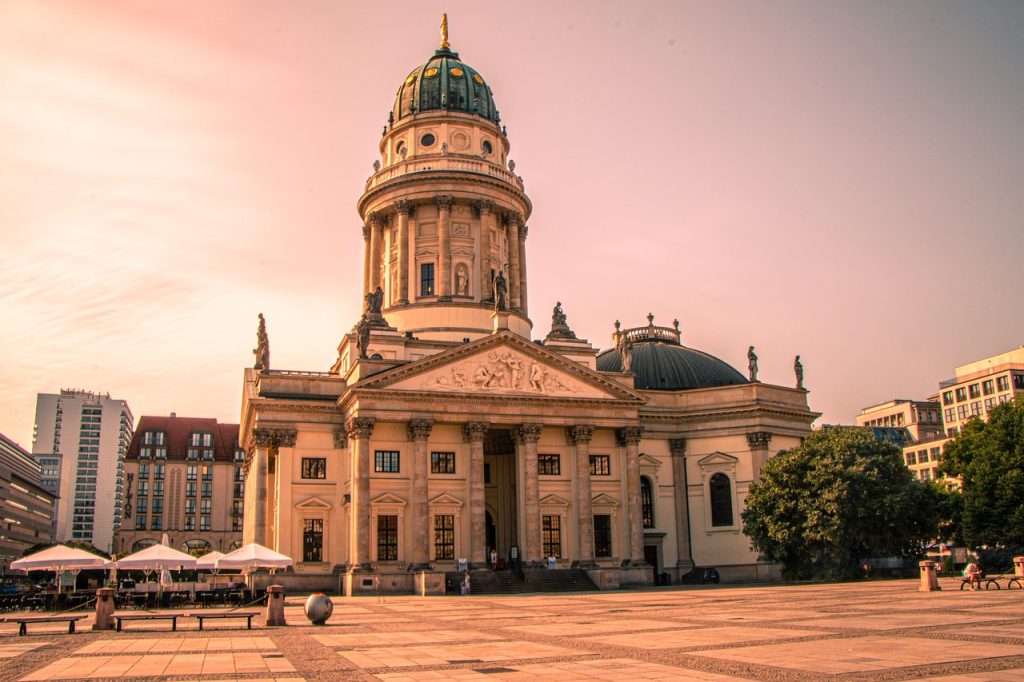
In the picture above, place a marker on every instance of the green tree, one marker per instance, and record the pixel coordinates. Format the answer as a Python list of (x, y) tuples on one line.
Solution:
[(75, 544), (989, 459), (841, 496)]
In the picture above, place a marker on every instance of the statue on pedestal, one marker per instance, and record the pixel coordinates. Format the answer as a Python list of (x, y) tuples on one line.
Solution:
[(752, 363), (624, 347), (500, 291), (262, 349), (798, 369), (559, 325)]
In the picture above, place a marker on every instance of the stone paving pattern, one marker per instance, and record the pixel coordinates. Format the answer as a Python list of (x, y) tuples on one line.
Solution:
[(878, 630)]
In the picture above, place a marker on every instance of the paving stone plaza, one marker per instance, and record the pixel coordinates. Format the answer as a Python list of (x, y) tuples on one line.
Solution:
[(875, 630)]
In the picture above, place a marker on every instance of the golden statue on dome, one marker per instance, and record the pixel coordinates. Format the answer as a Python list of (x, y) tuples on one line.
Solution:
[(444, 32)]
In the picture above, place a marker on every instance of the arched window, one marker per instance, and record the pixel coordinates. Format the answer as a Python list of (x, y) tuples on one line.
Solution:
[(237, 544), (142, 544), (721, 500), (196, 547), (647, 502)]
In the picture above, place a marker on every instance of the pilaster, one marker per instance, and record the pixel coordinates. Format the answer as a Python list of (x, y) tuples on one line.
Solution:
[(403, 208), (528, 435), (475, 433), (684, 560), (444, 249), (580, 436), (418, 431), (630, 437), (359, 431)]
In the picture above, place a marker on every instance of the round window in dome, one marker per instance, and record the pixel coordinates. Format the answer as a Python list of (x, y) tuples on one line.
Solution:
[(430, 73), (457, 72), (428, 140), (477, 79), (486, 146)]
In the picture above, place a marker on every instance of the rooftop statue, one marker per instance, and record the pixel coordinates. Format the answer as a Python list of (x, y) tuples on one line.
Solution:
[(262, 349), (752, 363), (374, 301), (624, 347), (798, 369), (559, 325), (500, 291)]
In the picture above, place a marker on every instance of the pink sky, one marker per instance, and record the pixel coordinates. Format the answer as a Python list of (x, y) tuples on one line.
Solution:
[(841, 181)]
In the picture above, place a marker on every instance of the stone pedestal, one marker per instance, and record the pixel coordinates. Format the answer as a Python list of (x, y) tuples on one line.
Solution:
[(929, 578), (500, 318), (275, 605), (1018, 566), (429, 583), (359, 582), (104, 609), (604, 578)]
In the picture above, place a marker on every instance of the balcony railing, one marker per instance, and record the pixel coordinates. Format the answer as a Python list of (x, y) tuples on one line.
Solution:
[(463, 163)]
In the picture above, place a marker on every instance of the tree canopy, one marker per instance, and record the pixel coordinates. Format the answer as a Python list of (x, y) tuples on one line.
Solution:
[(840, 497), (989, 459)]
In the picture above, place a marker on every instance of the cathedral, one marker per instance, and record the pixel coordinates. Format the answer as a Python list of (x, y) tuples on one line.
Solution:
[(446, 438)]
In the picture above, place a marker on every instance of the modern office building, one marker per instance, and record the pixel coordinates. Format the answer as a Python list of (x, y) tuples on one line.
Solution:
[(921, 418), (80, 440), (979, 386), (444, 432), (26, 509), (183, 478)]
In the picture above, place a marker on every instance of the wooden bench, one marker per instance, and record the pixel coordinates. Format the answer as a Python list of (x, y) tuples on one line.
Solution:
[(988, 582), (23, 621), (173, 617), (248, 615)]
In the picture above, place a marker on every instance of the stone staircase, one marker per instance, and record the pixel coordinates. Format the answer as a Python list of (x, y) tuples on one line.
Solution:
[(532, 580)]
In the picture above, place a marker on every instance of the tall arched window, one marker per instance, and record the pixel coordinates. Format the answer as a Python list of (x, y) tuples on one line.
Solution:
[(647, 502), (721, 500)]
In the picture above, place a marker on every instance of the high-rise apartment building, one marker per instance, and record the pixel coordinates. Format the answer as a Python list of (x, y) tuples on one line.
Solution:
[(26, 509), (80, 441), (183, 478)]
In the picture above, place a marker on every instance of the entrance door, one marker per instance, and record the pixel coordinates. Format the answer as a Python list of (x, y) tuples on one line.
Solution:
[(651, 557), (500, 491), (492, 534)]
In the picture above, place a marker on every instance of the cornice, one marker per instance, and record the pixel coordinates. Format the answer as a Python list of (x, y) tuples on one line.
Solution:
[(418, 178)]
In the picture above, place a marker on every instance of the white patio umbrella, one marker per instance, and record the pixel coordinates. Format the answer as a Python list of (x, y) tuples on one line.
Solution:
[(60, 558), (251, 557), (157, 558), (208, 562)]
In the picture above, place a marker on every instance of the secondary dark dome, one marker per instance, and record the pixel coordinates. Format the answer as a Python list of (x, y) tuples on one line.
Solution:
[(445, 84), (663, 364)]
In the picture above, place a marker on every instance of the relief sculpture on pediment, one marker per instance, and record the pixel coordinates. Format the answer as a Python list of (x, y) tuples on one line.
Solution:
[(501, 371)]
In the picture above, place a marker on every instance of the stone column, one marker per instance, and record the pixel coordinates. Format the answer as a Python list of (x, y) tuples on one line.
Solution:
[(367, 259), (759, 442), (483, 211), (444, 248), (528, 435), (475, 432), (514, 294), (580, 435), (255, 500), (522, 271), (418, 431), (684, 560), (359, 431), (403, 208), (630, 437), (376, 246)]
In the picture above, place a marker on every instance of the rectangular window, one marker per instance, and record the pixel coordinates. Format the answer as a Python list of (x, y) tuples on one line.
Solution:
[(191, 472), (313, 540), (158, 489), (961, 411), (551, 536), (207, 473), (950, 414), (1018, 381), (158, 472), (988, 387), (442, 462), (192, 454), (990, 403), (190, 523), (444, 536), (141, 505), (426, 279), (974, 390), (204, 523), (144, 471), (386, 462), (207, 490), (236, 523), (600, 465), (549, 465), (387, 538), (602, 535), (190, 489), (236, 507), (976, 408), (936, 453), (1003, 383), (143, 488), (160, 453), (190, 506), (156, 523), (239, 491), (312, 467), (205, 506), (158, 506), (922, 457), (239, 474), (911, 458), (961, 394), (208, 455)]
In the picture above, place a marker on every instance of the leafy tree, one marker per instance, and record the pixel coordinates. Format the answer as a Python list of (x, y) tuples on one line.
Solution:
[(841, 496), (989, 459), (76, 544)]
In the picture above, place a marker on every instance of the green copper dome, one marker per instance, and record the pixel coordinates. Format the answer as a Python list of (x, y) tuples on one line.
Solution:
[(444, 84)]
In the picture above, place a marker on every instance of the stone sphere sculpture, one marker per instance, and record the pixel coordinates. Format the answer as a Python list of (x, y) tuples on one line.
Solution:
[(319, 608)]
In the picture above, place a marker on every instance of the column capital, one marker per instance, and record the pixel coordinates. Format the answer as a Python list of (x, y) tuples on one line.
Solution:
[(360, 427), (265, 438), (482, 207), (523, 229), (512, 218), (475, 432), (374, 218), (580, 433), (629, 435), (444, 203), (677, 446), (529, 433), (403, 207), (366, 231), (759, 440), (419, 429)]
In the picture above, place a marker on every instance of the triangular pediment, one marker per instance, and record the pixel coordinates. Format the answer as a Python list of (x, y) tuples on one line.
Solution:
[(446, 500), (553, 500), (313, 503), (648, 461), (603, 500), (717, 458), (502, 364), (388, 498)]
